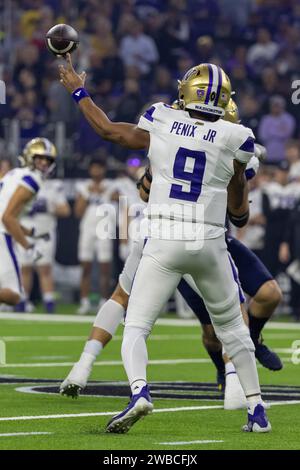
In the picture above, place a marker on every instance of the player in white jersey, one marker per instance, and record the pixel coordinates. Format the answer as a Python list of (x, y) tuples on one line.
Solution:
[(91, 195), (194, 157), (113, 311), (17, 189), (50, 204)]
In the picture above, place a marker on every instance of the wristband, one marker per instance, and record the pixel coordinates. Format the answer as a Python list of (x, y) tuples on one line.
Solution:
[(79, 93), (239, 220)]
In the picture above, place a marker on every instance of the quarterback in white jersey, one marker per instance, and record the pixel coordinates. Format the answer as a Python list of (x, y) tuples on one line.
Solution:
[(17, 189), (50, 204), (189, 142)]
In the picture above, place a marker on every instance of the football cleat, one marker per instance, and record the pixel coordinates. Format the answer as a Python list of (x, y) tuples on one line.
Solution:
[(76, 381), (267, 358), (257, 421), (85, 308), (140, 405), (234, 398)]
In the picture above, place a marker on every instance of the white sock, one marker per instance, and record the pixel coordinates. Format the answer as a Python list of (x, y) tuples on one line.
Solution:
[(135, 356), (229, 368), (93, 346), (137, 386), (253, 401), (110, 316), (245, 366), (85, 301), (91, 351), (48, 297)]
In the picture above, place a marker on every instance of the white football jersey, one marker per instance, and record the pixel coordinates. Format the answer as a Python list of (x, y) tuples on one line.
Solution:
[(30, 179), (41, 215), (192, 165), (91, 215)]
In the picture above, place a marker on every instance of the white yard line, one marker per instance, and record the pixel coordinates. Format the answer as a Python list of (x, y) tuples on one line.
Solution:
[(112, 413), (11, 434), (109, 363), (187, 443), (154, 362), (83, 338), (90, 318)]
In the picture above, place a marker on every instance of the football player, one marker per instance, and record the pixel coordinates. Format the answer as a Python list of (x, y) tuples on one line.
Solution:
[(50, 204), (92, 193), (255, 279), (18, 188), (196, 160)]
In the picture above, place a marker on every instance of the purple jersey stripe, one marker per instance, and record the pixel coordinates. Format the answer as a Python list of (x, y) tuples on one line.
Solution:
[(210, 70), (236, 278), (30, 181), (10, 247), (248, 145), (148, 113), (219, 86)]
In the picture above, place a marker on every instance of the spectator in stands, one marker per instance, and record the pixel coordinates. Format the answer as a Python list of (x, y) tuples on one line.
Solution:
[(249, 108), (130, 103), (139, 50), (263, 52), (164, 88), (276, 128), (292, 153)]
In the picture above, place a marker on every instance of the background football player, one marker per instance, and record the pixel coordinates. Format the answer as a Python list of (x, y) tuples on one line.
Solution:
[(18, 188), (50, 204), (91, 194)]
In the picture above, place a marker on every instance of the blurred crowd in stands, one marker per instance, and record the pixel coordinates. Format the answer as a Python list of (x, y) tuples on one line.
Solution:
[(133, 52)]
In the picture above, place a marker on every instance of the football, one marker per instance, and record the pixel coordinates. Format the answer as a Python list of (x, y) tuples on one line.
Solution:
[(61, 39)]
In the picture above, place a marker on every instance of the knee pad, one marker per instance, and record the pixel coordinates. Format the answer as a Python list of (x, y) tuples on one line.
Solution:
[(235, 336)]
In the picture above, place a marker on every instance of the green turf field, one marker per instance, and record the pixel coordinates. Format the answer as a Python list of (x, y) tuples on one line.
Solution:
[(46, 349)]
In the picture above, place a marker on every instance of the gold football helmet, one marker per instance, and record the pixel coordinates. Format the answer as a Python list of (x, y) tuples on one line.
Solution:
[(205, 88), (175, 104), (232, 112), (38, 147)]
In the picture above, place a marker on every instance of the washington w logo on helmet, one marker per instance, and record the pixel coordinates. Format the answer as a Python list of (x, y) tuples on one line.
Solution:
[(205, 88), (2, 92)]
